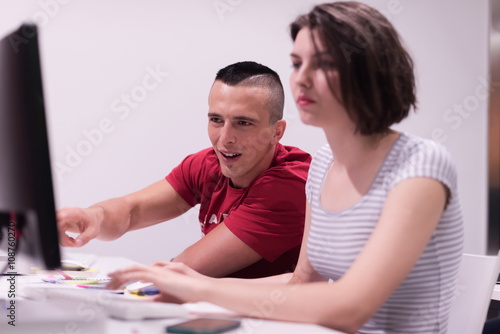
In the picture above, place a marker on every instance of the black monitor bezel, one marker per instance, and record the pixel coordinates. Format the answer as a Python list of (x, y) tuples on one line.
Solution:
[(37, 203)]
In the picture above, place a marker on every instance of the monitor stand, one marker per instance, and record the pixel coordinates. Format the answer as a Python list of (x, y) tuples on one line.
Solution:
[(18, 256), (17, 265)]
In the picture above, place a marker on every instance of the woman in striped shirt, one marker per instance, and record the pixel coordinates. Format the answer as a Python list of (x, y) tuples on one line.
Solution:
[(384, 234)]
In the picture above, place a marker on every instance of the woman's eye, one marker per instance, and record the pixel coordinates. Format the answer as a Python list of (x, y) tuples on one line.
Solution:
[(296, 65), (327, 64)]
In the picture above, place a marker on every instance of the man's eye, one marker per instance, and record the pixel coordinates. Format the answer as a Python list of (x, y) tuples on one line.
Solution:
[(244, 123), (215, 120)]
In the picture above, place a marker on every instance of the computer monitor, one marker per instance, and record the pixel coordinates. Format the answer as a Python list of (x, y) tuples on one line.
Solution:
[(493, 233), (26, 190)]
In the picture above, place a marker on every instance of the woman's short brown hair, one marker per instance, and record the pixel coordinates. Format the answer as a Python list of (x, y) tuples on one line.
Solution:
[(376, 72)]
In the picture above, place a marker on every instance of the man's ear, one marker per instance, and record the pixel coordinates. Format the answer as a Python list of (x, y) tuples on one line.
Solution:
[(279, 130)]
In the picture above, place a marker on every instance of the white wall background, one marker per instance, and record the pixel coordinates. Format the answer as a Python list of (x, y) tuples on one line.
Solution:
[(96, 53)]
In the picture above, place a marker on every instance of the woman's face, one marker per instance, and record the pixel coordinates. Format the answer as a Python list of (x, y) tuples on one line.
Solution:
[(312, 69)]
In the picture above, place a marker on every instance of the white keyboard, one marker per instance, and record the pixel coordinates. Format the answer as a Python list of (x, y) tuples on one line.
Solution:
[(115, 305)]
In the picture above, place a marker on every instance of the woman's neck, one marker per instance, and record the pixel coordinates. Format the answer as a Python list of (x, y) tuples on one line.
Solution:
[(352, 150)]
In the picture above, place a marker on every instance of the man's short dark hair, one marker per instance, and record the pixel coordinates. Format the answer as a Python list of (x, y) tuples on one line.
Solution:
[(249, 73)]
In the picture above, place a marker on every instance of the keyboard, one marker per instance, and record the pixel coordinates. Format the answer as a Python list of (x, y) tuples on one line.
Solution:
[(114, 305)]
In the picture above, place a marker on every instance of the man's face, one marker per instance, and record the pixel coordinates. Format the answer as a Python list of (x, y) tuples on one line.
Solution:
[(239, 129)]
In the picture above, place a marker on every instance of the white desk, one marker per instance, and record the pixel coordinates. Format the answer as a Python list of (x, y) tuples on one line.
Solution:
[(41, 317)]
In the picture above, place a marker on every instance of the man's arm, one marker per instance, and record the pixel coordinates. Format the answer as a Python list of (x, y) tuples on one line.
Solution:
[(221, 253), (218, 254), (110, 219), (263, 225)]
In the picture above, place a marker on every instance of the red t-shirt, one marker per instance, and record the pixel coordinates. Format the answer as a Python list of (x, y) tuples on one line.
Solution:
[(268, 215)]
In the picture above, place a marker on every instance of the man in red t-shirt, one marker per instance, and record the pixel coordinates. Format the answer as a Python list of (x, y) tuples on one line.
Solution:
[(250, 188)]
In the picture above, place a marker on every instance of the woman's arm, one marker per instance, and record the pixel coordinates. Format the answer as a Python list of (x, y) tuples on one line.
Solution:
[(408, 220)]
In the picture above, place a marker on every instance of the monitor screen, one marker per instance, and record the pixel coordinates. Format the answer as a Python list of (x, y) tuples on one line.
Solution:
[(27, 208)]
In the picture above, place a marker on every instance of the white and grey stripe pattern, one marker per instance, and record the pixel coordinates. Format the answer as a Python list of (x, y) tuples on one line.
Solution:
[(421, 303)]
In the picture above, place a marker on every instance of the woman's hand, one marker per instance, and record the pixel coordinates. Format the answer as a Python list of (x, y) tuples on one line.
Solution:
[(176, 282), (179, 268)]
